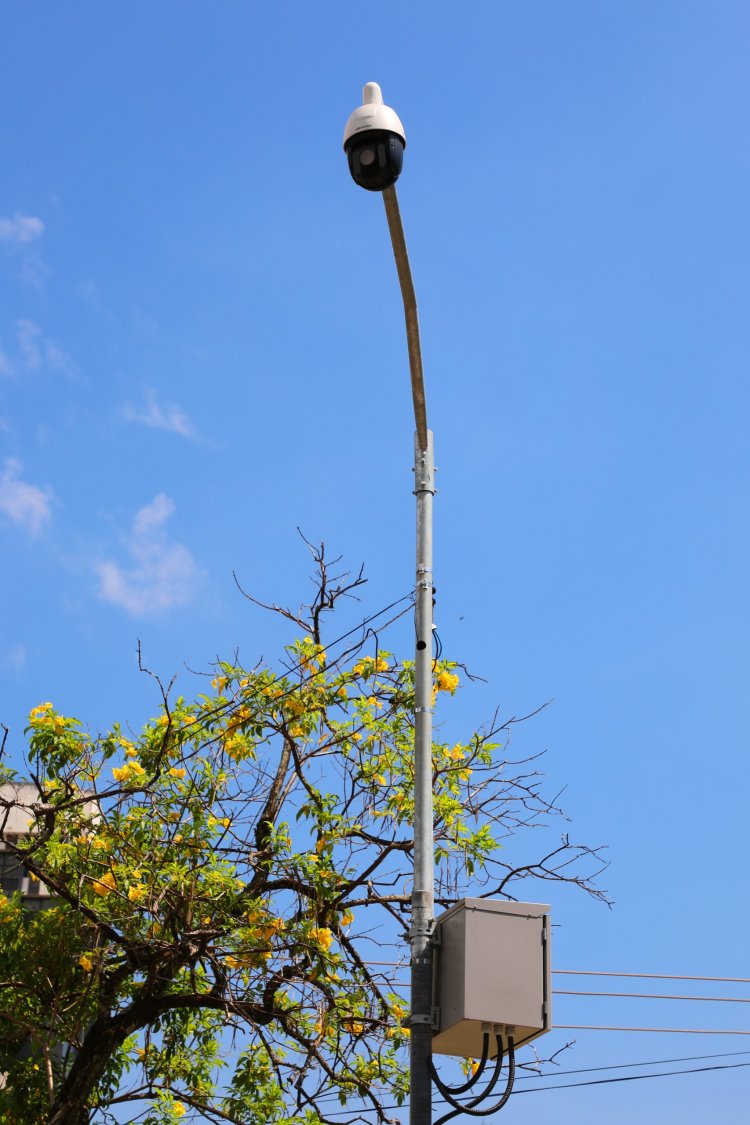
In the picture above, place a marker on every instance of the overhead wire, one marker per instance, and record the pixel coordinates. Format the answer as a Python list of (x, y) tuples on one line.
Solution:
[(601, 973), (630, 1066), (653, 996), (646, 976), (662, 1030), (577, 1085), (635, 1077), (614, 995), (538, 1076)]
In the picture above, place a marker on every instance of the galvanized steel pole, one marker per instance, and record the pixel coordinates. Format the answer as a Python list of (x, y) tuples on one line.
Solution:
[(423, 892)]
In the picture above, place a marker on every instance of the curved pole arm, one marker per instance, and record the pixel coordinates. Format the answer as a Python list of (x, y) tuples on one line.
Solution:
[(398, 242)]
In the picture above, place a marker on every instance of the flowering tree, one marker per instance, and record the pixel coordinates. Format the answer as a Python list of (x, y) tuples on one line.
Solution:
[(222, 881)]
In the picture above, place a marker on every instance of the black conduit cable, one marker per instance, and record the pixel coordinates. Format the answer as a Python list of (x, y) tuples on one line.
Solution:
[(468, 1106), (462, 1107), (471, 1107), (445, 1089)]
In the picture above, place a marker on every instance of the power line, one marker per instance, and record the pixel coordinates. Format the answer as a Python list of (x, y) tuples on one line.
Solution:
[(646, 976), (630, 1066), (634, 1077), (526, 1077), (598, 973), (665, 1030), (654, 996), (576, 1085), (619, 995)]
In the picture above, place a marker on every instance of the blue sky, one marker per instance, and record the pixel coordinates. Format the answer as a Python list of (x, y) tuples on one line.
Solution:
[(201, 348)]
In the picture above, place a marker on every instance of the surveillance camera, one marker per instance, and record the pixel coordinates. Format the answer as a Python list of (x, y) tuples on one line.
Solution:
[(374, 142)]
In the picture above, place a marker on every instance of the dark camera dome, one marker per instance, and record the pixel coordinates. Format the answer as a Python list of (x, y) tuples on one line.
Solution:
[(376, 158)]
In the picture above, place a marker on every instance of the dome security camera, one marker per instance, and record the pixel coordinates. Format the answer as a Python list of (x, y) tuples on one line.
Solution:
[(374, 142)]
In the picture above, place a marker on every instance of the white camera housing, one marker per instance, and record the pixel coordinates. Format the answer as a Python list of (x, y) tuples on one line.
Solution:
[(374, 142)]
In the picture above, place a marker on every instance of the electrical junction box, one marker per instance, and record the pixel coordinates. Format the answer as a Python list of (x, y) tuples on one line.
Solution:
[(492, 967)]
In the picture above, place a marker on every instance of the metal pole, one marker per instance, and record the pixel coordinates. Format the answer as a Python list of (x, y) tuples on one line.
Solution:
[(423, 892)]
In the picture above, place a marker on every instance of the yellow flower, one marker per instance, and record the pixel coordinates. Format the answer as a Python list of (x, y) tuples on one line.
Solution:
[(347, 918), (225, 821), (219, 683), (323, 936), (373, 702), (105, 885), (179, 1109), (136, 769), (380, 779), (40, 711), (446, 681), (457, 754), (86, 963), (131, 751), (176, 772), (121, 773)]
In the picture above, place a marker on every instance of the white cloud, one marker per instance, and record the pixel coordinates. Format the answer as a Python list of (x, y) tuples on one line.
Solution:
[(28, 336), (36, 352), (168, 417), (88, 291), (23, 503), (20, 237), (20, 229), (163, 574), (14, 659)]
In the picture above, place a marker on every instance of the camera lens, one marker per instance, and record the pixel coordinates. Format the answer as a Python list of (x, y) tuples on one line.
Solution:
[(375, 162)]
